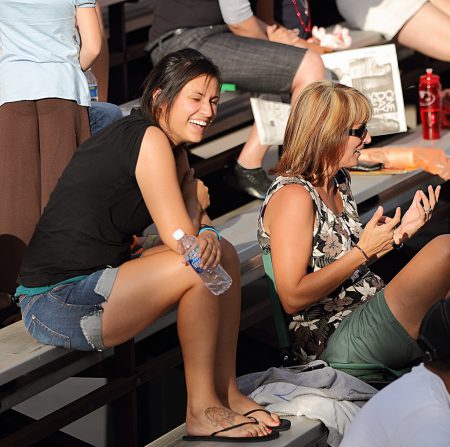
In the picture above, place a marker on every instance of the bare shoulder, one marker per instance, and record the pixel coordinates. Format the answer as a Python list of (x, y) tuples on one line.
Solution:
[(291, 196), (155, 153), (155, 142), (154, 135), (290, 205)]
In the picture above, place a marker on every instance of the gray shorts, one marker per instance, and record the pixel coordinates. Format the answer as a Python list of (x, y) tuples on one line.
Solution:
[(254, 65), (70, 315)]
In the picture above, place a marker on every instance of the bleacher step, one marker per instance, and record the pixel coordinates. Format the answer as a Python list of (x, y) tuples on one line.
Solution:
[(304, 432)]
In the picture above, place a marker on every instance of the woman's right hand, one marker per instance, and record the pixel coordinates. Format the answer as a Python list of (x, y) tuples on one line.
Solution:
[(378, 235)]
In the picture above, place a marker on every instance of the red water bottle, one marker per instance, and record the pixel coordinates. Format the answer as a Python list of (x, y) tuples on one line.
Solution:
[(430, 105)]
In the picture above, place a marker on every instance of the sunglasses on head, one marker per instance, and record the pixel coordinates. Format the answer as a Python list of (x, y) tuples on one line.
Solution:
[(360, 132)]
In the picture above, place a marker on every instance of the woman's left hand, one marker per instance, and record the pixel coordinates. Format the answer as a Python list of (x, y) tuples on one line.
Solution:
[(418, 214), (210, 249)]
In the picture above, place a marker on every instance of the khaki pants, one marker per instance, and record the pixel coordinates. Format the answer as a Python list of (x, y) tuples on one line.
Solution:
[(37, 140)]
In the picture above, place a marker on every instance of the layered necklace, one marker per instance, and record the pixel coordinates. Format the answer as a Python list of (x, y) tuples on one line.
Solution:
[(305, 26)]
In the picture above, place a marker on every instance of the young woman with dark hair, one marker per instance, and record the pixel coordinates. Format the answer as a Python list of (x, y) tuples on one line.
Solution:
[(341, 311), (79, 286)]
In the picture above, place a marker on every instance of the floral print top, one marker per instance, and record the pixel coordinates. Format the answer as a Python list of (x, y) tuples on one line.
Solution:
[(333, 236)]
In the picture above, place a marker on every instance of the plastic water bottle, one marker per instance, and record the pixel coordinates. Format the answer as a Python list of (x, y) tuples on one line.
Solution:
[(430, 105), (216, 279), (93, 85)]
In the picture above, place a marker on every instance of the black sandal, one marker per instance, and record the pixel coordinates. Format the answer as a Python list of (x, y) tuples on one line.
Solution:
[(214, 438), (285, 424)]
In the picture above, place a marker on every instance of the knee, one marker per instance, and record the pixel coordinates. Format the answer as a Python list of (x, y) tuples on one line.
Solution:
[(230, 258), (311, 68), (441, 246)]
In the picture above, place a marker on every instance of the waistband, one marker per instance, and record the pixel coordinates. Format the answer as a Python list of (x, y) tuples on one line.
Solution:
[(161, 39)]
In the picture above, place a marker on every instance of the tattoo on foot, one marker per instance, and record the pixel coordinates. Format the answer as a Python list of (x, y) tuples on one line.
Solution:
[(220, 417)]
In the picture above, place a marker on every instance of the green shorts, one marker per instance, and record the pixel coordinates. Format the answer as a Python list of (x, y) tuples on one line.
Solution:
[(371, 338)]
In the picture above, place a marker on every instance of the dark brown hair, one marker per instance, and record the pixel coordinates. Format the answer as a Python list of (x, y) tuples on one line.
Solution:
[(169, 76)]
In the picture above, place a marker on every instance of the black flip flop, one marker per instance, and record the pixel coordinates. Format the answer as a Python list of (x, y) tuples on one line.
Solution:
[(213, 437), (285, 424)]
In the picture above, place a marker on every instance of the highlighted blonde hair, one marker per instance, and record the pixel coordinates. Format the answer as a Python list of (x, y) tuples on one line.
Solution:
[(317, 130)]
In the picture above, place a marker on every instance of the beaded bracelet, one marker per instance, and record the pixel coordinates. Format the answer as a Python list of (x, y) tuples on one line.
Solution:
[(363, 252), (209, 228)]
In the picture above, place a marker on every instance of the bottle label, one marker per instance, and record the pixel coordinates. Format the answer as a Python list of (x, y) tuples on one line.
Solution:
[(426, 98), (93, 91), (194, 260)]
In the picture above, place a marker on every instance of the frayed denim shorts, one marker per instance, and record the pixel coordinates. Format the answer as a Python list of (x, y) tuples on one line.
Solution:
[(70, 315)]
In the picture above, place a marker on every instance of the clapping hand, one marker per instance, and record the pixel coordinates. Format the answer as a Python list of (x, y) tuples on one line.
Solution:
[(417, 214), (377, 237)]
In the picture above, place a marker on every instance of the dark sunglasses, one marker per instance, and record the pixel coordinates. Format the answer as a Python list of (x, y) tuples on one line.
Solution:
[(361, 132)]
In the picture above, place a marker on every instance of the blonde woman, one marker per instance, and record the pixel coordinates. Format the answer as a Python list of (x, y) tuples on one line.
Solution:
[(341, 311)]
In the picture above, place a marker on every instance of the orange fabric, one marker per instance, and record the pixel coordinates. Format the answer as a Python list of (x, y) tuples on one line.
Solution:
[(432, 160)]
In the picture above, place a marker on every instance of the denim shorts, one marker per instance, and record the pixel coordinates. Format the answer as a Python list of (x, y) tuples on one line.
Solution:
[(255, 65), (70, 315)]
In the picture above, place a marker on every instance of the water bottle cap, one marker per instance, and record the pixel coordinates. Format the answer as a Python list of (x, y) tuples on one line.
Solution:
[(178, 234), (429, 71)]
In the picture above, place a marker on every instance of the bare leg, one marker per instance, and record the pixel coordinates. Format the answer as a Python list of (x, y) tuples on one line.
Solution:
[(443, 5), (422, 282), (144, 289), (225, 367), (429, 30), (310, 69)]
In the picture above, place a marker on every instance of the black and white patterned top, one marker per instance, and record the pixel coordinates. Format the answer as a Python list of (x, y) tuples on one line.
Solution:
[(333, 236)]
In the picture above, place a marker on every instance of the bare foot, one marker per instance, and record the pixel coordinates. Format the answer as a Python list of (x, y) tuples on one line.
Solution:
[(243, 404), (214, 419)]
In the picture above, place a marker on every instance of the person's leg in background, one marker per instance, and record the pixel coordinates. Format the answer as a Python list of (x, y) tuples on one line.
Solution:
[(428, 31), (254, 65), (63, 126), (19, 194), (309, 70), (102, 114), (260, 66)]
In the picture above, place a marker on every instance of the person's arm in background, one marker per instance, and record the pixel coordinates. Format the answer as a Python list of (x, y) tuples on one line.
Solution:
[(100, 67), (265, 11), (241, 21), (90, 36), (238, 15)]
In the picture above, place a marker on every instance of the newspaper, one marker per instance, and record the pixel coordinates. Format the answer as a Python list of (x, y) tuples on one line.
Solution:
[(271, 119), (372, 70)]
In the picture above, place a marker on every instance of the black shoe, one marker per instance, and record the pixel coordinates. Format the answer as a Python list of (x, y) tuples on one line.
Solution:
[(253, 181)]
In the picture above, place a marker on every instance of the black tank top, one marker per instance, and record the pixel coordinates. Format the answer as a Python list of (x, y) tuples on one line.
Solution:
[(94, 210), (173, 14)]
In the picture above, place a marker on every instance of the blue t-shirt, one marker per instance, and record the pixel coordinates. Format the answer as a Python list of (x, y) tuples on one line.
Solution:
[(39, 56)]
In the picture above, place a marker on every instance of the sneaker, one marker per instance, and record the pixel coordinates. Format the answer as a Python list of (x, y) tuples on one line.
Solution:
[(253, 181)]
